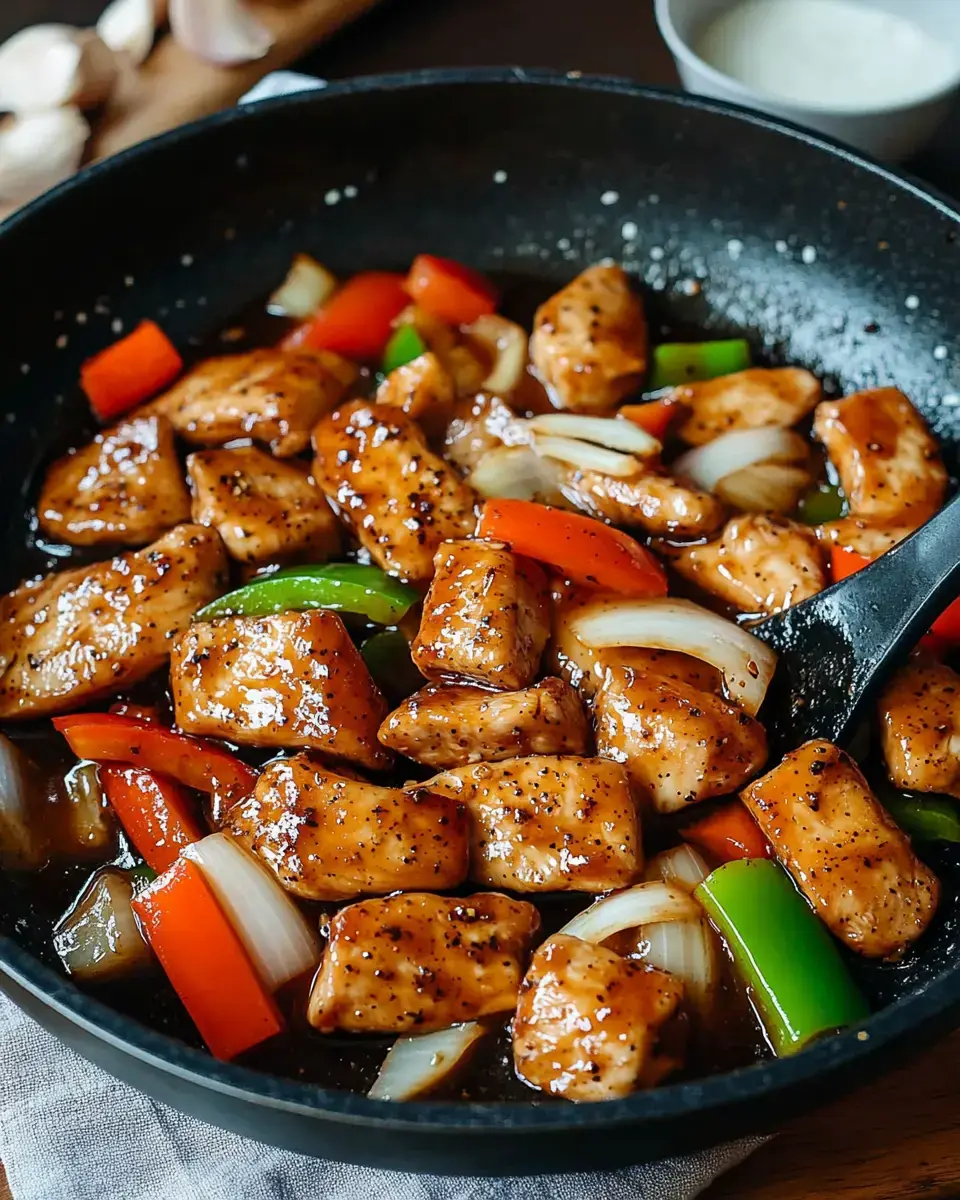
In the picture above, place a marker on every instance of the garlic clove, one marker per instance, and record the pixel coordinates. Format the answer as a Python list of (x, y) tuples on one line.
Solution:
[(220, 31), (47, 66), (128, 27), (38, 151)]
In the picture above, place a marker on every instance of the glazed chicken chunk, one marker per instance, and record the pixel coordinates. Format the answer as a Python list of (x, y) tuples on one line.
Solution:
[(542, 824), (920, 728), (678, 744), (485, 616), (273, 396), (759, 564), (124, 488), (287, 680), (867, 536), (450, 725), (589, 342), (888, 462), (72, 638), (587, 1023), (331, 837), (422, 389), (417, 962), (399, 499), (478, 424), (262, 507), (847, 856), (750, 399), (655, 503)]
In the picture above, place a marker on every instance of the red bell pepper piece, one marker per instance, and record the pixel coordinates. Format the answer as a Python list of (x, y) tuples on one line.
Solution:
[(580, 548), (130, 371), (656, 416), (108, 737), (157, 813), (727, 833), (357, 320), (206, 961), (448, 290), (945, 631)]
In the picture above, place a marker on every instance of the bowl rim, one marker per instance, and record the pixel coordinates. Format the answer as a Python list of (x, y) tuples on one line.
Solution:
[(913, 1020), (684, 53)]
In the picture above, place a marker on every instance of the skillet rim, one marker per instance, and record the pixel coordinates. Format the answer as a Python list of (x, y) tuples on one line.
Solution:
[(921, 1016)]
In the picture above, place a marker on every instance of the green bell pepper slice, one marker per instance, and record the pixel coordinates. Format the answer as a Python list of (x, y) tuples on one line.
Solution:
[(342, 587), (798, 980), (932, 820), (388, 659), (684, 362), (404, 346), (825, 502)]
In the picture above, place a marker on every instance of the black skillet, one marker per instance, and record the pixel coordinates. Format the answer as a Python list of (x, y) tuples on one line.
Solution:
[(733, 222)]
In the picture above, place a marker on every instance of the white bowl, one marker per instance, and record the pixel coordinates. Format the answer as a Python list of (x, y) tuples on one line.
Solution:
[(892, 132)]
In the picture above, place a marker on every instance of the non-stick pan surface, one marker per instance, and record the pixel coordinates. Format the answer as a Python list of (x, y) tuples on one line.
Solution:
[(732, 222)]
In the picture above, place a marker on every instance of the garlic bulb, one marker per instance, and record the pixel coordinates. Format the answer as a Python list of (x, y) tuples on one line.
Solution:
[(38, 151), (48, 66), (220, 31), (128, 27)]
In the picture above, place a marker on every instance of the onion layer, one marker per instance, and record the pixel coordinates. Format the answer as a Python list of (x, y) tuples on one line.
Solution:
[(688, 950), (275, 933), (90, 819), (588, 457), (746, 663), (612, 432), (642, 904), (514, 473), (706, 465), (99, 937), (681, 867), (507, 343), (416, 1065), (22, 840), (308, 285), (765, 487)]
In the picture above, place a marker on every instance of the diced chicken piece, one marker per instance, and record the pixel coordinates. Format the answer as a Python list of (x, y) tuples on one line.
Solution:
[(125, 488), (478, 424), (751, 399), (422, 389), (464, 360), (920, 728), (262, 507), (589, 342), (398, 498), (485, 616), (417, 962), (846, 855), (587, 1021), (72, 638), (864, 535), (678, 744), (657, 504), (542, 824), (450, 725), (273, 396), (327, 836), (759, 564), (888, 461), (584, 667), (288, 680)]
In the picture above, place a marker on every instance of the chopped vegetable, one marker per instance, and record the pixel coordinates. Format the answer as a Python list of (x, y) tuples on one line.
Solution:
[(845, 563), (642, 904), (764, 488), (945, 629), (23, 842), (357, 320), (675, 363), (680, 866), (799, 983), (706, 465), (728, 833), (746, 663), (98, 939), (157, 813), (687, 949), (206, 961), (656, 416), (603, 431), (933, 819), (89, 819), (404, 346), (415, 1066), (507, 344), (130, 371), (448, 290), (280, 943), (306, 287), (107, 737), (583, 549), (388, 659), (514, 473), (825, 502), (342, 587), (587, 457)]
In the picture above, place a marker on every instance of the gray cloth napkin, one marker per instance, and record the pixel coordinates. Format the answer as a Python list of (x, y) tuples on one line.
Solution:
[(68, 1131)]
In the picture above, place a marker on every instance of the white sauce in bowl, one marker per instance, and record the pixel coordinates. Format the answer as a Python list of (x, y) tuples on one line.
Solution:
[(828, 53)]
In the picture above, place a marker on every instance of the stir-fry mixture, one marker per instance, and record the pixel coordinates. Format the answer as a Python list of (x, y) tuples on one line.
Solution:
[(406, 701)]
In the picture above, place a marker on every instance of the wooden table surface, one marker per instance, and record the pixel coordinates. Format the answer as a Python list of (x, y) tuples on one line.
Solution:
[(896, 1139)]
